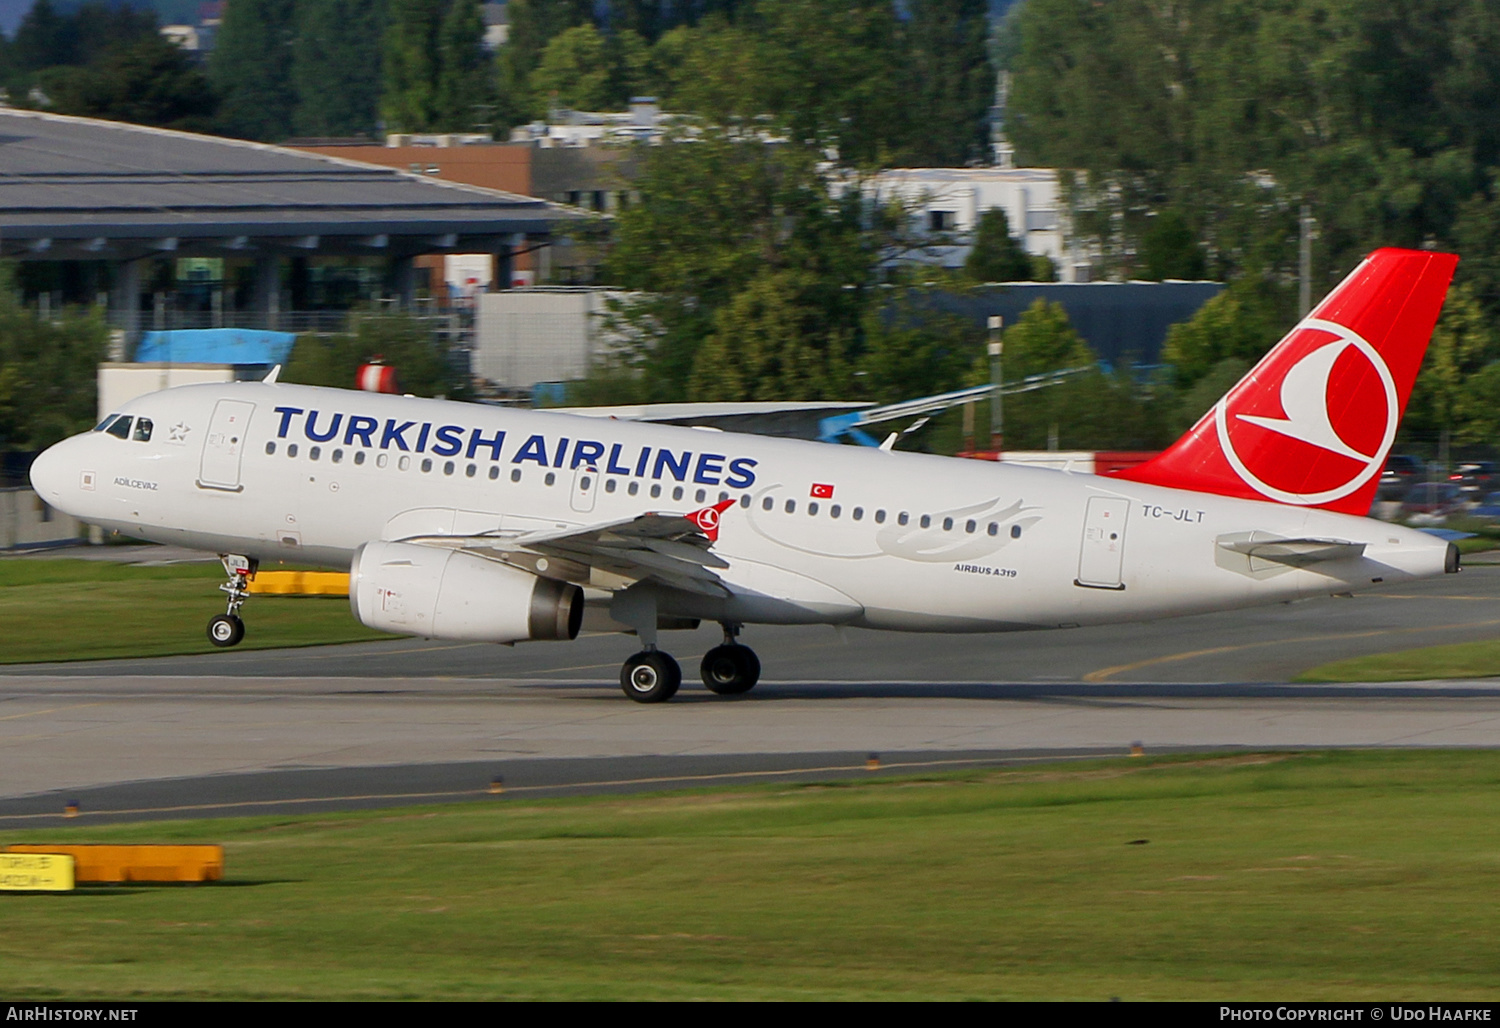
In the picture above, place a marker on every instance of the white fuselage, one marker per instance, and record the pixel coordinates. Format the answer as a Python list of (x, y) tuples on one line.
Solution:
[(905, 541)]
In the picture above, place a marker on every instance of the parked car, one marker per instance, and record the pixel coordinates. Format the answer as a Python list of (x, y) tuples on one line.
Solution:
[(1401, 472), (1433, 500), (1475, 478)]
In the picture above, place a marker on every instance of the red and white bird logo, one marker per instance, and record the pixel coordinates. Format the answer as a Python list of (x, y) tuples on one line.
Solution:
[(1327, 429), (707, 519)]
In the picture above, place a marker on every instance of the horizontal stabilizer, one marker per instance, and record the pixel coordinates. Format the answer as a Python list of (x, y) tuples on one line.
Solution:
[(1297, 553)]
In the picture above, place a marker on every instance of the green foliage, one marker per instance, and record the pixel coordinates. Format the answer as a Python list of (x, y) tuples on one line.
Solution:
[(1243, 323), (336, 67), (1456, 388), (437, 77), (573, 71), (48, 39), (402, 341), (997, 256), (146, 81), (1381, 117), (715, 216), (251, 67), (910, 352), (47, 372), (1169, 249)]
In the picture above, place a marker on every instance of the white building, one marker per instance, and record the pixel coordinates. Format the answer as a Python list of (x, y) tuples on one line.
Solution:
[(543, 334), (945, 204)]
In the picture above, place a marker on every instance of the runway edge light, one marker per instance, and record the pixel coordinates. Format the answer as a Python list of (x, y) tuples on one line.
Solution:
[(36, 872)]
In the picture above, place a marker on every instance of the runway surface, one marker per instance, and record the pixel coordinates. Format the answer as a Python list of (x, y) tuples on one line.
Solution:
[(409, 721)]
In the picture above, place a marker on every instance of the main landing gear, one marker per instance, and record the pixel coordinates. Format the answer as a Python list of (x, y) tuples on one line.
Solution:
[(227, 629), (652, 676)]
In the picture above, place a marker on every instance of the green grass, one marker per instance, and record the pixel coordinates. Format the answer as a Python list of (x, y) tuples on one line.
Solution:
[(1456, 660), (82, 609), (1344, 875)]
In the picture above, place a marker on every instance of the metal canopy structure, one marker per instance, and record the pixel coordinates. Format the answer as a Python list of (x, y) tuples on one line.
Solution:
[(85, 189)]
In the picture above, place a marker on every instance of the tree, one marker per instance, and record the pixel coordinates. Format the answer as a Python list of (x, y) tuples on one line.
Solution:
[(336, 67), (148, 81), (48, 371), (1170, 250), (997, 256), (404, 342), (1444, 397), (465, 70), (409, 101), (1242, 323), (952, 82), (573, 71), (251, 67)]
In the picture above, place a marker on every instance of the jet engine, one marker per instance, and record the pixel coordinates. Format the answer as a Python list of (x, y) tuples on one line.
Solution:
[(448, 594)]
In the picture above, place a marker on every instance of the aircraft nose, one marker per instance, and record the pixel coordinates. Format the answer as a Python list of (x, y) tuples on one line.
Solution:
[(51, 473)]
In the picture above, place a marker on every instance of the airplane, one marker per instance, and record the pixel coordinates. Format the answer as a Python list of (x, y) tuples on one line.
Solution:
[(466, 522)]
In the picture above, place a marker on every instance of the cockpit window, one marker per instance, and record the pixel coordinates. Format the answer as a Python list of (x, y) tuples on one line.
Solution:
[(142, 430), (120, 427), (105, 423)]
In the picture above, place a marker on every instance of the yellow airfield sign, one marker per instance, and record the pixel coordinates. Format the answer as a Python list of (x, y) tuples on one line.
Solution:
[(35, 872)]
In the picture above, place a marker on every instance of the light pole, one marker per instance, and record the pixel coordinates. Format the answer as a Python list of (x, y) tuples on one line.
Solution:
[(997, 403)]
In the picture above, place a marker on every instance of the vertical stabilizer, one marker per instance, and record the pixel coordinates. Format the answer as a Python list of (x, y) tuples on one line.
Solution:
[(1312, 423)]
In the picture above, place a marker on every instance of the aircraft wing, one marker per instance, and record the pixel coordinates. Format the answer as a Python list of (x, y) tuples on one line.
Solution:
[(1297, 553), (672, 549)]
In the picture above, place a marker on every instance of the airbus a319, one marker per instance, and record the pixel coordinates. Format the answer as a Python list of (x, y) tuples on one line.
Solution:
[(467, 522)]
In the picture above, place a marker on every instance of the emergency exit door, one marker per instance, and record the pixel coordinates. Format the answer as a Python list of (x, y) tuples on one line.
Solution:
[(224, 445), (1103, 550)]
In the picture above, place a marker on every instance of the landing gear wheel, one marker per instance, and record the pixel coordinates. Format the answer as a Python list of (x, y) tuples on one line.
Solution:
[(730, 669), (650, 677), (225, 630)]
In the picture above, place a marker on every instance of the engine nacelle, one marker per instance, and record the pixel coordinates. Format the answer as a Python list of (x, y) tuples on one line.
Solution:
[(448, 594)]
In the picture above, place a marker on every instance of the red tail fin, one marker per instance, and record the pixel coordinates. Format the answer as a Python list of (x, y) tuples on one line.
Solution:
[(1312, 423)]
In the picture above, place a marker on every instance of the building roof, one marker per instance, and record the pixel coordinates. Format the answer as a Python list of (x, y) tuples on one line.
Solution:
[(81, 188)]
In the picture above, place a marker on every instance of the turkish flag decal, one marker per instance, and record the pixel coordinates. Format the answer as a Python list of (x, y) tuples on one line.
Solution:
[(821, 491)]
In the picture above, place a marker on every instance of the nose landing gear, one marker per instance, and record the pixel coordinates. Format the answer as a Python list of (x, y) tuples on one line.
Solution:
[(227, 629)]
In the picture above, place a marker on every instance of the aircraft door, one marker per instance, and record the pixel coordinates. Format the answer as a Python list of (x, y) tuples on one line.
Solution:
[(224, 445), (585, 487), (1103, 548)]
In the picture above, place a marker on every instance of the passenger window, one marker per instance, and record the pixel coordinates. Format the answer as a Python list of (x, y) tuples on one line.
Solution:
[(270, 448), (791, 506), (426, 465), (812, 509), (677, 493), (902, 518), (494, 472), (404, 464), (315, 453), (700, 495), (585, 483), (143, 430), (338, 456), (120, 429), (1015, 531), (994, 528), (723, 497), (947, 524), (970, 526), (381, 460), (880, 517), (291, 449), (448, 467), (359, 456), (767, 503), (655, 491), (633, 488), (610, 485), (835, 511), (551, 478), (926, 521), (515, 474), (745, 501)]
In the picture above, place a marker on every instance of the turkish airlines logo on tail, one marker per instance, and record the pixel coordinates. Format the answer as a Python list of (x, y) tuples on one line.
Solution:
[(1324, 432), (707, 519)]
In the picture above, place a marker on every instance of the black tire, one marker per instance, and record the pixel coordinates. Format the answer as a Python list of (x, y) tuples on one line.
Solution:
[(225, 630), (730, 670), (650, 677)]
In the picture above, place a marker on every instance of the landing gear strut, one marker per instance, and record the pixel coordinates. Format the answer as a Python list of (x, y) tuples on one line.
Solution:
[(227, 629), (730, 669)]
